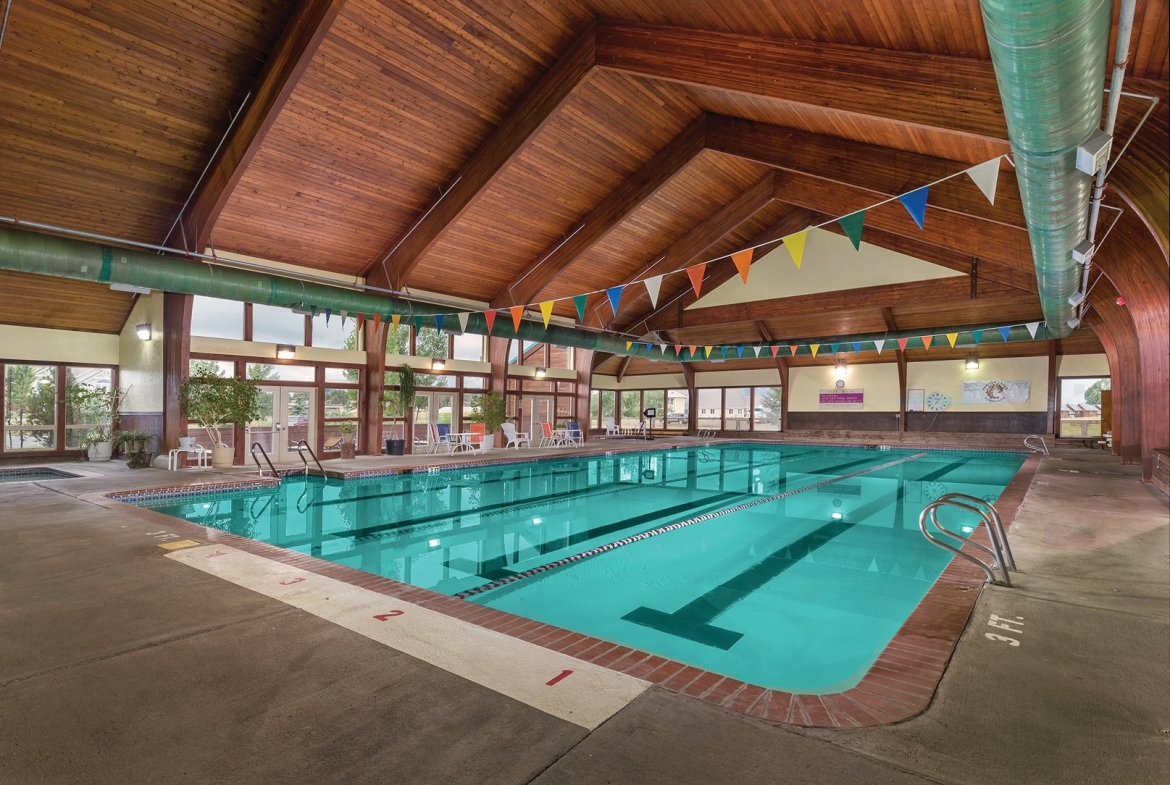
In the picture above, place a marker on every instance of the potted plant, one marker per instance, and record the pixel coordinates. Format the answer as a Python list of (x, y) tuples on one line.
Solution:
[(213, 401), (491, 411), (347, 429), (135, 447), (98, 407), (402, 405)]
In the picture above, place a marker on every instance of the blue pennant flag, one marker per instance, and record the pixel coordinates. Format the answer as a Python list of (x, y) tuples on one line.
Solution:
[(739, 351), (1003, 331), (328, 313), (915, 204), (857, 348), (614, 293), (439, 322), (649, 348)]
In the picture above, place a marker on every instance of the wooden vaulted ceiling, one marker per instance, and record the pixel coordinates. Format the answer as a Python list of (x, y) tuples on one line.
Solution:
[(570, 159)]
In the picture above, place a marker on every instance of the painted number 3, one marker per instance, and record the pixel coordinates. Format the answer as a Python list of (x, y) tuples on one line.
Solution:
[(1005, 624)]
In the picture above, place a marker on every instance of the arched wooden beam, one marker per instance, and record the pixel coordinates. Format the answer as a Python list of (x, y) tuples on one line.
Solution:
[(1114, 328)]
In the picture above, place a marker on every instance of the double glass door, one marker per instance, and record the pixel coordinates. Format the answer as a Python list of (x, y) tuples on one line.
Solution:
[(535, 410), (436, 408), (287, 415)]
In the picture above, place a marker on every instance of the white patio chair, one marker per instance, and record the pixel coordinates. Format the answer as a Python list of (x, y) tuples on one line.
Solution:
[(611, 428), (515, 439)]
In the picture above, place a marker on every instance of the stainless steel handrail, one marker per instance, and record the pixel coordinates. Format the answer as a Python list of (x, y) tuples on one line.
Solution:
[(259, 446), (931, 511), (305, 445), (997, 530), (1043, 444)]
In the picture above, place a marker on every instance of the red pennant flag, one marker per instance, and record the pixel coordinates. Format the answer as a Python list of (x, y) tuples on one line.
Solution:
[(377, 320), (696, 275), (792, 348), (743, 263), (926, 339), (775, 350), (678, 350), (902, 343), (517, 316), (361, 319), (490, 318)]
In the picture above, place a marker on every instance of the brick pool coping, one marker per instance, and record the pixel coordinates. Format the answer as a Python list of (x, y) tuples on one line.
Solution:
[(899, 685)]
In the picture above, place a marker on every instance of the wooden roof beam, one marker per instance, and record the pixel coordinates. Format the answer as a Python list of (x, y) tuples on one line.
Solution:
[(616, 207), (294, 50), (510, 138)]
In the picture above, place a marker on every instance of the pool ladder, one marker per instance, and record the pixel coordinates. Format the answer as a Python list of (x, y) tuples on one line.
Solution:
[(1043, 444), (1001, 557), (258, 446), (302, 447)]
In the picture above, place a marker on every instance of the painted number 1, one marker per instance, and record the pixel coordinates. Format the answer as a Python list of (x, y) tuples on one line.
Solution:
[(1004, 624)]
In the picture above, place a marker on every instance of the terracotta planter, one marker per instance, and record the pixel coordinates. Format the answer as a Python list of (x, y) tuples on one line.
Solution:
[(222, 456)]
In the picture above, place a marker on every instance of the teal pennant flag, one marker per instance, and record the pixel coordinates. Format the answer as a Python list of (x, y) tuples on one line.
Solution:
[(852, 224), (580, 301)]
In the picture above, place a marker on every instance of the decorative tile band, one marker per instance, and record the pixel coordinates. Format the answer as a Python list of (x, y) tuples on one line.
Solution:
[(42, 470), (671, 527), (201, 489)]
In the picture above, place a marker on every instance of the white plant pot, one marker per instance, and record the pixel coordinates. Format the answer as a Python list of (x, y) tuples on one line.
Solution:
[(187, 442), (489, 442), (101, 451), (222, 456)]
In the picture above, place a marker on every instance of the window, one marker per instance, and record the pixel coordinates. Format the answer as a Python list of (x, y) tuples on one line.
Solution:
[(80, 423), (263, 372), (467, 347), (30, 407), (430, 343), (652, 399), (475, 382), (677, 407), (224, 368), (631, 408), (1080, 407), (767, 409), (608, 404), (710, 399), (343, 375), (398, 341), (331, 335), (595, 408), (277, 325), (214, 318)]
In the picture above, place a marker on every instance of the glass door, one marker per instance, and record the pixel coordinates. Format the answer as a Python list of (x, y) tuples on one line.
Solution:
[(535, 410), (423, 416), (287, 415)]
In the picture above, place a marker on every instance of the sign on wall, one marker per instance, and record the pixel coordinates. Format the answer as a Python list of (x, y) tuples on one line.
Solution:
[(842, 399), (1017, 391)]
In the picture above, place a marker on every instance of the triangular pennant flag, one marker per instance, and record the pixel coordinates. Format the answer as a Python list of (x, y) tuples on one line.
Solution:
[(652, 287), (439, 322), (463, 317), (1004, 332), (915, 204), (678, 350), (649, 348), (546, 311), (723, 351), (328, 313), (792, 348), (795, 245), (417, 323), (879, 345), (902, 343), (1032, 328), (833, 347), (813, 347), (517, 316), (361, 319), (951, 338), (986, 176), (692, 347), (857, 348), (708, 348), (579, 301), (662, 348), (926, 339), (378, 320), (739, 351), (977, 335), (490, 318), (344, 316), (696, 275), (628, 345), (775, 350), (614, 293), (395, 320), (743, 262), (852, 224)]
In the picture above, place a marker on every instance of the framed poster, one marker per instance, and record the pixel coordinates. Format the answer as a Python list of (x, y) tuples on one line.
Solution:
[(915, 400), (842, 399)]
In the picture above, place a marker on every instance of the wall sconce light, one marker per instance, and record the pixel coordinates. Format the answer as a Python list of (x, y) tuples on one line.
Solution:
[(972, 363), (438, 365), (541, 373), (285, 351), (841, 370), (143, 331)]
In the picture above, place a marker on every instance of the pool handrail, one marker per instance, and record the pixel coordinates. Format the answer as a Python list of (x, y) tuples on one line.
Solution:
[(930, 512), (259, 446), (1043, 444), (303, 445), (997, 531)]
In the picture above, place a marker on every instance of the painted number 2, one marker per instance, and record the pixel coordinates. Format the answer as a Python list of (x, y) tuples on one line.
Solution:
[(1005, 624)]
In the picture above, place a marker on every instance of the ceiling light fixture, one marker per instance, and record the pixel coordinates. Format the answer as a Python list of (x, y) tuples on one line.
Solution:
[(972, 363), (143, 331), (285, 351)]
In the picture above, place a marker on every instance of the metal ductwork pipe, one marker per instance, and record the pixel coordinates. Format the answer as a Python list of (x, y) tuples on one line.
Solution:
[(1049, 58), (30, 252)]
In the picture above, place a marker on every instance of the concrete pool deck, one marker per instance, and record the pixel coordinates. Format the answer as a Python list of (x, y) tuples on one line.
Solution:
[(119, 664)]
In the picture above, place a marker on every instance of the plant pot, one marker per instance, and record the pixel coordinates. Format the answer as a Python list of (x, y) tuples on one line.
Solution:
[(187, 442), (488, 443), (101, 451), (222, 456), (348, 450), (138, 460), (396, 446)]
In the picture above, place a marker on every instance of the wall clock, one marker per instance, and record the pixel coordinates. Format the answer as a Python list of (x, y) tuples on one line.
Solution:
[(937, 401), (840, 383)]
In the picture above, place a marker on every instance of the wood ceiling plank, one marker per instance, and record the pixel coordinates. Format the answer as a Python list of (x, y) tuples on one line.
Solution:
[(61, 304)]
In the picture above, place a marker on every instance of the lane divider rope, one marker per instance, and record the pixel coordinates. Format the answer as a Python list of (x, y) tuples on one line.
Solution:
[(671, 527)]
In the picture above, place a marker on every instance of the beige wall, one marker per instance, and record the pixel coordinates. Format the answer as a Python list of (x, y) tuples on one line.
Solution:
[(878, 380), (61, 346), (653, 381), (141, 365), (1082, 365), (948, 376), (756, 377)]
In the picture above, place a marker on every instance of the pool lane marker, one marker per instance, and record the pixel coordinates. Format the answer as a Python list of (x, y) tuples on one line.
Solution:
[(671, 527), (518, 669)]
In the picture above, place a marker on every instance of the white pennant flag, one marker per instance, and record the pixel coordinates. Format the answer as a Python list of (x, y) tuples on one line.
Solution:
[(760, 350), (344, 314), (662, 348), (463, 317), (879, 345), (652, 287), (986, 176), (1032, 328)]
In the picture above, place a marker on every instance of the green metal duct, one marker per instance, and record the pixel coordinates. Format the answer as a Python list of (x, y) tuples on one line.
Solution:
[(1050, 58), (30, 252)]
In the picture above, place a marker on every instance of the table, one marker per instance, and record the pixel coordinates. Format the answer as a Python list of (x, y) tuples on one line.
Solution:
[(201, 456)]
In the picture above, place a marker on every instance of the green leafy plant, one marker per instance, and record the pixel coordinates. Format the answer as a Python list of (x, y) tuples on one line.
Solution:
[(491, 411), (213, 401), (135, 447), (96, 406), (347, 427)]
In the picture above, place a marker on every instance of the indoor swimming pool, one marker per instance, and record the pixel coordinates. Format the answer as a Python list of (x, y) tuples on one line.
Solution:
[(789, 567)]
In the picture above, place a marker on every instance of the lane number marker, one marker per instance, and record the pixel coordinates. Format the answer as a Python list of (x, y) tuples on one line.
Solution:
[(217, 553), (388, 615), (559, 677), (1005, 624), (291, 582)]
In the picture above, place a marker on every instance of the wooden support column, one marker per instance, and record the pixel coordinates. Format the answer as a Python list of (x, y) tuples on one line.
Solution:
[(583, 362), (498, 357), (176, 364), (693, 393), (902, 374), (783, 367), (1053, 420), (374, 384)]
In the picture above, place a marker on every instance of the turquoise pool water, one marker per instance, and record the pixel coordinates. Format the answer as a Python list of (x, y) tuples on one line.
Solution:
[(798, 593)]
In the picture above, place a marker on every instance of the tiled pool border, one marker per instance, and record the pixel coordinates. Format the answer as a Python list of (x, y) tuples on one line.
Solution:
[(58, 474), (899, 685)]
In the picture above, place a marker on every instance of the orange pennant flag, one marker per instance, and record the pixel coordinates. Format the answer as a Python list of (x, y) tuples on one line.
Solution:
[(926, 339), (377, 320), (490, 318), (792, 348), (696, 275), (692, 347), (517, 316), (546, 311), (743, 262), (813, 348)]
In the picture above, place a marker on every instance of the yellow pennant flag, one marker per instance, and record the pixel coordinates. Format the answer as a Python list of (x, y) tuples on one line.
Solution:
[(813, 348), (628, 345), (795, 244), (952, 337), (395, 318), (709, 350), (546, 311), (743, 262)]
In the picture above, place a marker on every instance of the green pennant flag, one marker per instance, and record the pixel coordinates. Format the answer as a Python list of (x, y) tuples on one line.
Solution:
[(852, 225), (417, 323), (580, 301)]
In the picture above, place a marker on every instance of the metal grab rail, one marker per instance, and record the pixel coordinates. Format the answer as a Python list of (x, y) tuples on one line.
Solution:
[(705, 433), (998, 533), (303, 445), (258, 446), (1043, 444), (997, 560)]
